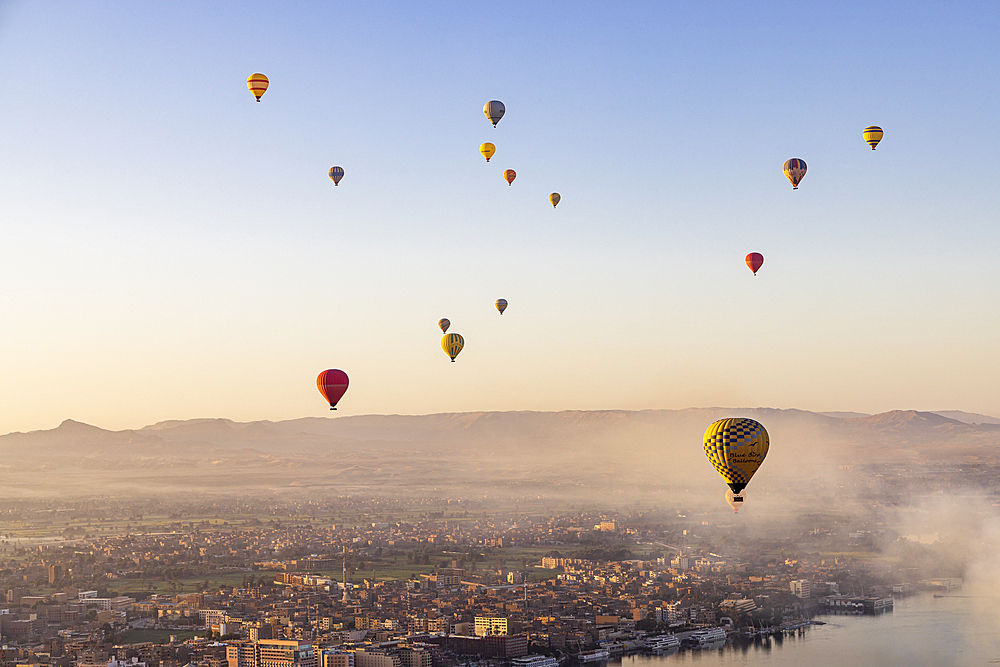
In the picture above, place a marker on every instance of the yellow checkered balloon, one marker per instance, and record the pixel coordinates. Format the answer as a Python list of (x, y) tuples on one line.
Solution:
[(736, 447)]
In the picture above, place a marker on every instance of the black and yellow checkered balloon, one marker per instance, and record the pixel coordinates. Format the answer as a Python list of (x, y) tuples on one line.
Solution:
[(736, 447)]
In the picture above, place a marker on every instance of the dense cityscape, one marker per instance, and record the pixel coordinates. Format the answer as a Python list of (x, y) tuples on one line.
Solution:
[(425, 583)]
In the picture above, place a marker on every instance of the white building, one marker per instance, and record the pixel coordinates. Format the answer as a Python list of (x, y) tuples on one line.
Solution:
[(801, 588)]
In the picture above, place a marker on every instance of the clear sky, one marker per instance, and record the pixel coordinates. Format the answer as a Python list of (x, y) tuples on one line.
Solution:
[(171, 249)]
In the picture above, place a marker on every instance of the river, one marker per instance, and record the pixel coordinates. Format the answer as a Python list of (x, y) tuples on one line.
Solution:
[(960, 629)]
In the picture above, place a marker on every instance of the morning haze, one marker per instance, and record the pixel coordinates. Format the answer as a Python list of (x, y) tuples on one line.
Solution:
[(171, 248)]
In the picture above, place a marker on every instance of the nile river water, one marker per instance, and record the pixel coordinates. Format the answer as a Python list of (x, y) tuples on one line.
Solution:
[(921, 631)]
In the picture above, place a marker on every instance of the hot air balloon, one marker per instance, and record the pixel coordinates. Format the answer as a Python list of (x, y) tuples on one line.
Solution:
[(795, 171), (444, 323), (487, 150), (873, 135), (452, 344), (735, 500), (336, 173), (494, 110), (332, 384), (257, 83), (755, 260), (509, 176), (736, 447), (501, 305), (554, 198)]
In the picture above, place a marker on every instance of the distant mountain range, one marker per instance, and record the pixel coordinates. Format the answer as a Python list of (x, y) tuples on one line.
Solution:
[(957, 415), (470, 453)]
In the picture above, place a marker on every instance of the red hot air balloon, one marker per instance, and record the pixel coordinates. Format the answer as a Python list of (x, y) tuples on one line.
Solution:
[(755, 260), (332, 384)]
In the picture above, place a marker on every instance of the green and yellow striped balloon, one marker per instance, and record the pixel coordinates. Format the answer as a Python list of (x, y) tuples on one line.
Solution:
[(736, 447)]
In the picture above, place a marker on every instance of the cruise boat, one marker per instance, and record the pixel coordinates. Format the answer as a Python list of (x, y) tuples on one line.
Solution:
[(701, 638), (663, 643), (534, 661), (597, 655), (614, 648)]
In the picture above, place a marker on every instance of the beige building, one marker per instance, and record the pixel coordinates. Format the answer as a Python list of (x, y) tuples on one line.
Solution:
[(740, 606), (801, 588), (376, 658), (487, 625), (416, 656), (330, 658), (271, 653)]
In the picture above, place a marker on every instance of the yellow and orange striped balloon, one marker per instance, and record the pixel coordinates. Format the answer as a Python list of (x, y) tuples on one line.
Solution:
[(509, 176), (257, 83)]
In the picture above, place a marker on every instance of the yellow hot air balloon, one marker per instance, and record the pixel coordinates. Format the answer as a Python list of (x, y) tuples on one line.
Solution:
[(736, 447), (452, 344), (554, 198), (873, 135), (795, 171), (487, 150), (257, 83)]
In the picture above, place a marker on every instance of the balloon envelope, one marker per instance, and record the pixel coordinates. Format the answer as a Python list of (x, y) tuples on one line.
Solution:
[(873, 135), (501, 305), (444, 323), (736, 447), (735, 500), (452, 344), (336, 173), (755, 260), (487, 150), (332, 384), (509, 176), (795, 170), (554, 198), (257, 83), (494, 110)]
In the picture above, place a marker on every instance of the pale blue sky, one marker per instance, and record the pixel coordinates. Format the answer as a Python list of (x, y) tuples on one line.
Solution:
[(171, 249)]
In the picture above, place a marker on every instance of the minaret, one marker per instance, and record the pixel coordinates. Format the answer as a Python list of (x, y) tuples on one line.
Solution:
[(347, 598)]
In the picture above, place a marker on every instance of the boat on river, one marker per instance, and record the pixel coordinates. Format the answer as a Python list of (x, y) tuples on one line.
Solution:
[(663, 643), (597, 655), (704, 638)]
